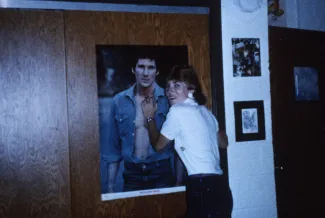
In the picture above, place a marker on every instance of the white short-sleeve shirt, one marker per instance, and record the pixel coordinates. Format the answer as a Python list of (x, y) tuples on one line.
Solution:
[(194, 129)]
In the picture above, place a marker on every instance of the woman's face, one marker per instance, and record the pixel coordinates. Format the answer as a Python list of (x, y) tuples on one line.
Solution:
[(176, 92)]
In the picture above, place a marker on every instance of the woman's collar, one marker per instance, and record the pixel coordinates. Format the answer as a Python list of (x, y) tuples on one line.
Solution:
[(190, 101)]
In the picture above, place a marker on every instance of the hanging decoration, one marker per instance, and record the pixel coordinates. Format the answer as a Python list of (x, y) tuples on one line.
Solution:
[(274, 10), (249, 6)]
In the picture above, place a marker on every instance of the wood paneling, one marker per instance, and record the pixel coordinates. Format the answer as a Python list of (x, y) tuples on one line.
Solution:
[(83, 31), (34, 167)]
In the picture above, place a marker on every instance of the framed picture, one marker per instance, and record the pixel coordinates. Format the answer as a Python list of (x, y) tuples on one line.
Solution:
[(246, 57), (249, 120), (306, 84)]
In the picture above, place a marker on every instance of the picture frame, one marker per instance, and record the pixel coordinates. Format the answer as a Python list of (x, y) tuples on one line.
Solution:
[(306, 84), (249, 120)]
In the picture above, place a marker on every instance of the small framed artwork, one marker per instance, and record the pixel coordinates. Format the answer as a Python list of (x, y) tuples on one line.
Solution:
[(246, 57), (306, 84), (249, 120)]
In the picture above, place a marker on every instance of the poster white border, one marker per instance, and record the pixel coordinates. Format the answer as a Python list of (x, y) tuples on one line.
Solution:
[(119, 195)]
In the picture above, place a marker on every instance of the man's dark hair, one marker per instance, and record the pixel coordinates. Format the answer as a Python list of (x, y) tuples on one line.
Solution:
[(146, 53)]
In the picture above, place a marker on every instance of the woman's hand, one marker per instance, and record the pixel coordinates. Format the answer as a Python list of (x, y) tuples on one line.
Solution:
[(149, 106)]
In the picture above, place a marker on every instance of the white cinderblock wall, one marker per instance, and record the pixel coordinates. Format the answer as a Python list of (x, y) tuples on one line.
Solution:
[(251, 164)]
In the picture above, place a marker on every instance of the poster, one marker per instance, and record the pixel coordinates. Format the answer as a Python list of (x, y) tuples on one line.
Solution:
[(129, 167), (246, 57)]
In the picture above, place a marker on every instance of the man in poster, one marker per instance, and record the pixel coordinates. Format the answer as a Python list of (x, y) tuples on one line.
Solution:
[(128, 137)]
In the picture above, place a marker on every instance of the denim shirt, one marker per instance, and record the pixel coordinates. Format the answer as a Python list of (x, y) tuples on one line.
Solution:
[(121, 132)]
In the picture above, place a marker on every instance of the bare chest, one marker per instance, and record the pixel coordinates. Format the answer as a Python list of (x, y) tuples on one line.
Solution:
[(139, 118)]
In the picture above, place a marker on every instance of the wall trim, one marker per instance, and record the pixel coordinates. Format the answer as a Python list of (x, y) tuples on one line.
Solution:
[(55, 5)]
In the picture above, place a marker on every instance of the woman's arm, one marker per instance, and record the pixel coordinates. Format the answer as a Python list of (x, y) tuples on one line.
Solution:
[(157, 140)]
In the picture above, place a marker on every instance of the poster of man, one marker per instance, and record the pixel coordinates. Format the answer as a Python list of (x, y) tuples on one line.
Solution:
[(129, 166)]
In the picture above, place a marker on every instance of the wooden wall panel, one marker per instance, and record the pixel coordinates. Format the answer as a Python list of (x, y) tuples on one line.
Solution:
[(34, 157), (83, 31)]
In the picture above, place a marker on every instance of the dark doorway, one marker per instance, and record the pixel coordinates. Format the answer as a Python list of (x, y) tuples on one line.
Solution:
[(298, 125)]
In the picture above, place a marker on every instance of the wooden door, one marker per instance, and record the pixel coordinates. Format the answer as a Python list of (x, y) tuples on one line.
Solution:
[(298, 126), (34, 151), (85, 30)]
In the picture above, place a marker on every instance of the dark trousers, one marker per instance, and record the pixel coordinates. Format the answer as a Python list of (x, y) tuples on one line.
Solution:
[(141, 176), (208, 195)]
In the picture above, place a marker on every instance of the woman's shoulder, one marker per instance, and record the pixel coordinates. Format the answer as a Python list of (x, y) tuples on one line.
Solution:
[(182, 106), (182, 110), (175, 108)]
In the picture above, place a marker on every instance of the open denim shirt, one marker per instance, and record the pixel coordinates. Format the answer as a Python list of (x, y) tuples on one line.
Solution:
[(121, 134)]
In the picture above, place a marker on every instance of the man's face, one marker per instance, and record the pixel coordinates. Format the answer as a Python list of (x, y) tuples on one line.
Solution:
[(145, 72)]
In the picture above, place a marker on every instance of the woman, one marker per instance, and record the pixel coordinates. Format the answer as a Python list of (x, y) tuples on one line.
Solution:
[(195, 131)]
